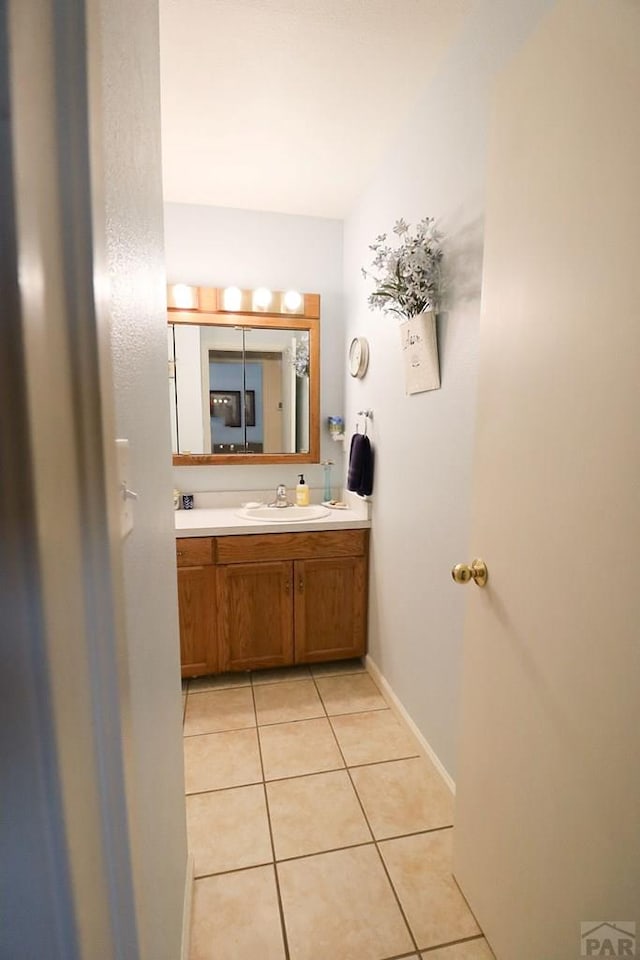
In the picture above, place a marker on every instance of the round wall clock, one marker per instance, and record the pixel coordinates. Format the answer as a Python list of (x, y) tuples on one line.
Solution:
[(358, 357)]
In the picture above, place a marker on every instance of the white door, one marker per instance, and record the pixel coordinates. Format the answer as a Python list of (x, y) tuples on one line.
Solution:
[(548, 809)]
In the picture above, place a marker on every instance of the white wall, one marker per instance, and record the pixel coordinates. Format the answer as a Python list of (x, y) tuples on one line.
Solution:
[(139, 348), (213, 246), (424, 442)]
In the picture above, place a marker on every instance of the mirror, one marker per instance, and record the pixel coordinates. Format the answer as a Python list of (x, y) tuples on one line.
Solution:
[(243, 389)]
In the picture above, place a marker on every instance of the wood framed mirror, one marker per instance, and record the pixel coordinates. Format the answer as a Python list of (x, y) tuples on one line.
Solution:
[(244, 383)]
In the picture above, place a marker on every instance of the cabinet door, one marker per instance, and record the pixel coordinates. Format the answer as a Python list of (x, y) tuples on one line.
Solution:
[(197, 613), (255, 617), (330, 608)]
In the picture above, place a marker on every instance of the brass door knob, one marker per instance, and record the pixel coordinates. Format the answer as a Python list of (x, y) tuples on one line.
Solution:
[(477, 572)]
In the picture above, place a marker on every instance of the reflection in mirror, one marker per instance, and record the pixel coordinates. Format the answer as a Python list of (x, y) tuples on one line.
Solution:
[(239, 390)]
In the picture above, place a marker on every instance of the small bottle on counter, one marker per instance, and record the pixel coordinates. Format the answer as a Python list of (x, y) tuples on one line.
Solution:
[(302, 493)]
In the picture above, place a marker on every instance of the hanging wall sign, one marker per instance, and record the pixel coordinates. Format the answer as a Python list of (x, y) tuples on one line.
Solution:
[(420, 353)]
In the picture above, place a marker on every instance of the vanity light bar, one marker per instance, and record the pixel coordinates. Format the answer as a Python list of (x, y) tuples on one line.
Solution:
[(261, 301)]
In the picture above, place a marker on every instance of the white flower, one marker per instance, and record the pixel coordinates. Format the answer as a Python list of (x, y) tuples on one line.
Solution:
[(407, 278)]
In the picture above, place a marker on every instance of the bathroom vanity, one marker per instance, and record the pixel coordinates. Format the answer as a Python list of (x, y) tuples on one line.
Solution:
[(252, 598), (245, 389)]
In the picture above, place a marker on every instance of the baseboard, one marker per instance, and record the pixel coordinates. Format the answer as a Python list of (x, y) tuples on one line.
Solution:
[(186, 908), (396, 705)]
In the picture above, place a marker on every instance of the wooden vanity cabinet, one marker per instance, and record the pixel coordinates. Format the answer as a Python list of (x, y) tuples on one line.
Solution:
[(256, 628), (276, 599), (330, 608), (197, 606)]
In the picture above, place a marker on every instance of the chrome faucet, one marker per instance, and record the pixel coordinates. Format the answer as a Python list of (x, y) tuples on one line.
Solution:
[(281, 497)]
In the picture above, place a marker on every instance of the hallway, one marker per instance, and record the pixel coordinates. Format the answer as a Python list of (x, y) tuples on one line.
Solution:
[(310, 772)]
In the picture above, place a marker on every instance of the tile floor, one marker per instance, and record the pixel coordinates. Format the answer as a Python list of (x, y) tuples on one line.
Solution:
[(318, 830)]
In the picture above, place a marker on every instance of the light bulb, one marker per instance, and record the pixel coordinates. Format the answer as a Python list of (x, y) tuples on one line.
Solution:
[(232, 298), (261, 298), (184, 296), (292, 300)]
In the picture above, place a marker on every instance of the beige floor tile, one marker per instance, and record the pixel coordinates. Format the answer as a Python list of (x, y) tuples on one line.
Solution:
[(337, 668), (372, 737), (235, 916), (219, 681), (472, 950), (278, 674), (403, 796), (355, 693), (293, 749), (228, 829), (316, 813), (339, 906), (217, 710), (420, 870), (218, 760), (282, 702)]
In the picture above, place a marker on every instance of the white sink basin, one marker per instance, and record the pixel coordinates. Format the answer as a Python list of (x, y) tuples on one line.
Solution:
[(283, 514)]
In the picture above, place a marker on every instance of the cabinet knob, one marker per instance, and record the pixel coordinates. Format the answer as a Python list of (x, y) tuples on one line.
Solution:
[(301, 584), (287, 586)]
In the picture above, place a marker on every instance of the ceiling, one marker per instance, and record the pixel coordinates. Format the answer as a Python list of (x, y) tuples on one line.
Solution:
[(288, 105)]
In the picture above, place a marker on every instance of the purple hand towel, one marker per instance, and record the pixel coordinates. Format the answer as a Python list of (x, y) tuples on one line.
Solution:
[(360, 473)]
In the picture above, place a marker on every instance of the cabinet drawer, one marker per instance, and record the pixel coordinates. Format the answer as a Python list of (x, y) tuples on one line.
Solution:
[(291, 546), (195, 551)]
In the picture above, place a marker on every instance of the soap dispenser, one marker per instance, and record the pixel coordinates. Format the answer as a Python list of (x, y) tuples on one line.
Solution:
[(302, 493)]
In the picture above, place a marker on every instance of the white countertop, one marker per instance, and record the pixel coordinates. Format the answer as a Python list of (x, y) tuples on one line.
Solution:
[(224, 521)]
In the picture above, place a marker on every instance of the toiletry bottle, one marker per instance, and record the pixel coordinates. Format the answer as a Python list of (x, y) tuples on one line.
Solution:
[(326, 465), (302, 493)]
